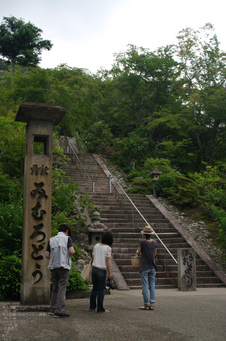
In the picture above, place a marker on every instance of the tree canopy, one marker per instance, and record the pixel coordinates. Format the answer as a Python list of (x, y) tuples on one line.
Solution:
[(173, 97), (21, 43)]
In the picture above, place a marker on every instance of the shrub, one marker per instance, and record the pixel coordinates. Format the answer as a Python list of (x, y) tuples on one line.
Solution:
[(132, 175), (77, 254), (216, 196), (220, 217), (11, 222), (130, 149), (179, 153), (163, 165), (98, 137), (142, 186), (64, 197), (9, 189), (184, 192), (75, 282), (165, 182), (10, 277)]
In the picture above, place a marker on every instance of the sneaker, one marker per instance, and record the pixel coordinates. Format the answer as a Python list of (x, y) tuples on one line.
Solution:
[(61, 316), (51, 313)]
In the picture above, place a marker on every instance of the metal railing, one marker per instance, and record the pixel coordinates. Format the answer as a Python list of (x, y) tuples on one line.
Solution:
[(74, 152), (134, 206)]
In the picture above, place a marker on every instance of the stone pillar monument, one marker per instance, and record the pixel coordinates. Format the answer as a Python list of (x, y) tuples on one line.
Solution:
[(35, 276), (186, 269)]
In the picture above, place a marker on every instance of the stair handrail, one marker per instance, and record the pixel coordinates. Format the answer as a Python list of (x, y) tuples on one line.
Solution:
[(143, 218), (73, 150)]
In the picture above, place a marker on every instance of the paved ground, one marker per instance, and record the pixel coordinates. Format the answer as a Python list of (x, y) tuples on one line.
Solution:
[(184, 316)]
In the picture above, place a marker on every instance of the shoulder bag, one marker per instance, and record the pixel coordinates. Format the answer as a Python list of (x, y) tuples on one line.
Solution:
[(86, 273), (136, 262)]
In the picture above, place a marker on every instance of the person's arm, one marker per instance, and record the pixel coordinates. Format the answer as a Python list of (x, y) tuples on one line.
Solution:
[(155, 251), (139, 251), (108, 264), (48, 251), (70, 247), (71, 251)]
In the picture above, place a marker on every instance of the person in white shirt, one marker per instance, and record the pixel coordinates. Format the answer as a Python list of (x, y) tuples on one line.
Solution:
[(101, 265)]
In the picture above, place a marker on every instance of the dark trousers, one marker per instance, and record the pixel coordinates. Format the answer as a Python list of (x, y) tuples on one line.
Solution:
[(99, 279), (60, 278)]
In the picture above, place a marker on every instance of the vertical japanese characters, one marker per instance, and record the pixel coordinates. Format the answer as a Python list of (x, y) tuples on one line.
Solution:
[(187, 262), (38, 237)]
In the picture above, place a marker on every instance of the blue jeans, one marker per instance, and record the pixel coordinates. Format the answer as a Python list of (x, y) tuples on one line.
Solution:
[(99, 280), (148, 281)]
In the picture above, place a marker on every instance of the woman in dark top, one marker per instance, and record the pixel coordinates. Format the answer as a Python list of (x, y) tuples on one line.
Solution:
[(148, 250)]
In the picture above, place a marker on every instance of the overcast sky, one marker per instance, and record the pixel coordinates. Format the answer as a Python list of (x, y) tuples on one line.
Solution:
[(86, 33)]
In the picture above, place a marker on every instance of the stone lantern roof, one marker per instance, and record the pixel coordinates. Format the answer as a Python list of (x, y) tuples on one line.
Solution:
[(156, 171)]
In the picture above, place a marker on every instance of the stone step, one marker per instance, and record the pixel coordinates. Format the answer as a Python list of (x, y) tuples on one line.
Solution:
[(128, 253), (136, 222), (167, 274), (132, 242), (132, 275), (203, 281), (166, 268), (138, 230), (159, 262), (117, 213), (137, 281), (169, 240), (157, 286), (162, 235), (140, 227), (169, 286)]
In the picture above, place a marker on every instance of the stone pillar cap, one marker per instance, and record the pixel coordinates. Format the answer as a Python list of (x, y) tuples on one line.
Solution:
[(40, 111)]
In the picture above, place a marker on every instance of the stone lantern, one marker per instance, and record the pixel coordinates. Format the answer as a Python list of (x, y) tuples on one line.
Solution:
[(95, 230), (155, 176)]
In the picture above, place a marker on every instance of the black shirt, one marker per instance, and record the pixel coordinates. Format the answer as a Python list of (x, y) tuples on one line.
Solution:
[(148, 255)]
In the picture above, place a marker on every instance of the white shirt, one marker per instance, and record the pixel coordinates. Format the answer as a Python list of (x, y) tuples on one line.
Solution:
[(100, 253)]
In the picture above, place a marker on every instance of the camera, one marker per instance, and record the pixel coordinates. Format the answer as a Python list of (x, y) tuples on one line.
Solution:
[(109, 285)]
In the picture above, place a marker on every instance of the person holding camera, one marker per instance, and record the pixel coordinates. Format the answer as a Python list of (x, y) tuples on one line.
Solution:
[(148, 250), (101, 265)]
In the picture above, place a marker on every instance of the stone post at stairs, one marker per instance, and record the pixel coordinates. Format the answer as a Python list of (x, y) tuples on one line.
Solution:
[(186, 269), (35, 276)]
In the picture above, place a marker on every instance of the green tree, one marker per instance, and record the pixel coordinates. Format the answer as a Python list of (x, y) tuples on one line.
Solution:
[(98, 137), (204, 70), (12, 147), (199, 115), (21, 42), (132, 148), (144, 81), (70, 88)]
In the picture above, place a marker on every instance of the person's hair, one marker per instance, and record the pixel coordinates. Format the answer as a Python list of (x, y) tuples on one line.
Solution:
[(65, 228), (147, 236), (107, 238)]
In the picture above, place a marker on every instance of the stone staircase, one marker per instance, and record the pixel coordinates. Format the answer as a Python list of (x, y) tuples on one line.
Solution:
[(93, 169), (126, 224)]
